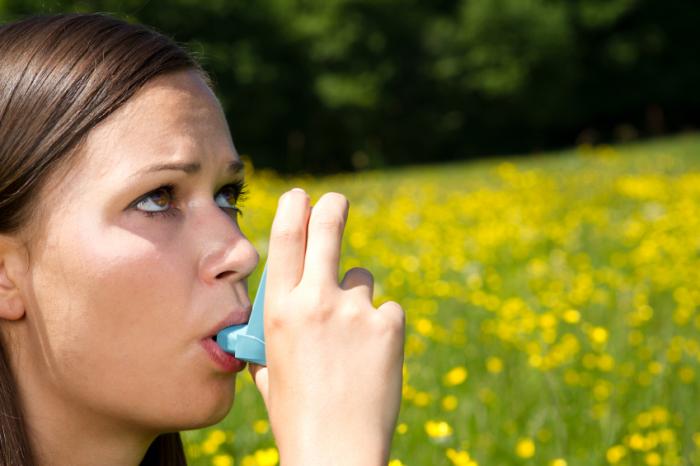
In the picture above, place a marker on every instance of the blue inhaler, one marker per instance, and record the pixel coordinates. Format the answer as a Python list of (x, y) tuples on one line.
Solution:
[(247, 341)]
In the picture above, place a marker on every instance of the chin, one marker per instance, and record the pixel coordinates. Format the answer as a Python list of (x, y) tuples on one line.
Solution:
[(214, 416), (204, 409), (195, 420)]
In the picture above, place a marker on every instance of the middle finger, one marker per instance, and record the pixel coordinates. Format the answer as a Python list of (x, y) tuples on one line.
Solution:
[(326, 225)]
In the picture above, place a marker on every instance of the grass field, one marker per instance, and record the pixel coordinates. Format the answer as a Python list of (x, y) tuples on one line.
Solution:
[(552, 307)]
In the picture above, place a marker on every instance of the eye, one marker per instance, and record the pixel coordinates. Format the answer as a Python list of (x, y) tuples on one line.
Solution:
[(157, 202), (230, 196)]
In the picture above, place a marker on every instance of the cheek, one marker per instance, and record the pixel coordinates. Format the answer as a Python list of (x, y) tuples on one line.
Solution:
[(118, 320), (112, 292)]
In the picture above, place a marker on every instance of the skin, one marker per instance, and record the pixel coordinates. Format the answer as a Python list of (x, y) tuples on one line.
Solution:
[(103, 307)]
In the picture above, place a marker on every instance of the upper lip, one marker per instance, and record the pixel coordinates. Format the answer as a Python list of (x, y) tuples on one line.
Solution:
[(236, 317)]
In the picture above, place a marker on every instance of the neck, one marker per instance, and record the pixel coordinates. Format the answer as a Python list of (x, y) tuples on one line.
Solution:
[(77, 438)]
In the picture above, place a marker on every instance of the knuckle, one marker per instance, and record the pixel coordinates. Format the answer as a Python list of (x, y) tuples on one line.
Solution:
[(287, 233), (316, 305), (274, 321), (314, 298), (276, 316), (315, 316), (395, 317), (351, 309), (328, 221)]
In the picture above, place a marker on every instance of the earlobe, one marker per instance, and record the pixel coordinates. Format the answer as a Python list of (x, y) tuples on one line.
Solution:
[(11, 304)]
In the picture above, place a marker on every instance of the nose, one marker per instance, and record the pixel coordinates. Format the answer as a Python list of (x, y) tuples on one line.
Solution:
[(227, 255)]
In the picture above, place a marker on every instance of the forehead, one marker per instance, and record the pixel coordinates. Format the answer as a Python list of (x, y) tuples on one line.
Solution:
[(172, 118)]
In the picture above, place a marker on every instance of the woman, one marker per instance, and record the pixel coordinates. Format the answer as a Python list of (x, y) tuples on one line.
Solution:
[(121, 258)]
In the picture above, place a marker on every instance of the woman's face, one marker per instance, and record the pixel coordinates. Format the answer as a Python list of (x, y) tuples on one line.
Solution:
[(139, 261)]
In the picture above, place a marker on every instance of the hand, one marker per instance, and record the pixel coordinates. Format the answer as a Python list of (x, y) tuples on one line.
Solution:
[(332, 386)]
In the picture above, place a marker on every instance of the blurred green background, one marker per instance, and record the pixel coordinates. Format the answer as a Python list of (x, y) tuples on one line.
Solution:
[(552, 295), (328, 85)]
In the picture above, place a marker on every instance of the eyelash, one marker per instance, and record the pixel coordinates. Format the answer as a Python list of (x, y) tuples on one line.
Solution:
[(239, 187)]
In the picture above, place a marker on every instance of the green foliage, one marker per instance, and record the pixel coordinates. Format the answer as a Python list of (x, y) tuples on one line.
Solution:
[(308, 85), (490, 47)]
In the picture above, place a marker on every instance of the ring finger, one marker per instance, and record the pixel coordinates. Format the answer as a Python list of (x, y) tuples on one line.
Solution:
[(359, 281)]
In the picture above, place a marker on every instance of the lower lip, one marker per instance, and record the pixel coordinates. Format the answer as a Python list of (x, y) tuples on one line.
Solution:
[(224, 360)]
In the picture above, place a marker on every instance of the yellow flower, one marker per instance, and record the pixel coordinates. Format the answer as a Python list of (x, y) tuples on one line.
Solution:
[(652, 459), (222, 460), (636, 442), (667, 436), (395, 463), (659, 414), (460, 457), (421, 399), (558, 462), (601, 390), (438, 430), (571, 377), (424, 327), (402, 428), (213, 441), (599, 335), (249, 460), (449, 403), (525, 448), (455, 376), (606, 363), (615, 454), (655, 367), (686, 374), (494, 365), (261, 426), (571, 316), (267, 457)]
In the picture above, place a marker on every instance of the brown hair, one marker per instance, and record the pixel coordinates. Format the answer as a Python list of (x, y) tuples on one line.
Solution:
[(60, 75)]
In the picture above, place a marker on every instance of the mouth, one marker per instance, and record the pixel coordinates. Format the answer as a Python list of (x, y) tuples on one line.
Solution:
[(223, 361), (237, 317)]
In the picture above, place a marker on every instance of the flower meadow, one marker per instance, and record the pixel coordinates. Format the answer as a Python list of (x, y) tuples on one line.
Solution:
[(551, 303)]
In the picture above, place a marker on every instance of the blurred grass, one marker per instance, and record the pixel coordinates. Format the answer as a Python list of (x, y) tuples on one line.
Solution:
[(551, 303)]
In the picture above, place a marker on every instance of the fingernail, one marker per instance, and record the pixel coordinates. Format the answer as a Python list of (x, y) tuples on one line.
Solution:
[(299, 190)]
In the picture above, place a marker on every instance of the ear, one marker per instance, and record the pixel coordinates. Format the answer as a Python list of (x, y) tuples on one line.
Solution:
[(12, 266)]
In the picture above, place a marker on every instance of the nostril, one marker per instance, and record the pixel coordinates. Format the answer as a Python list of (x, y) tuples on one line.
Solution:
[(225, 274)]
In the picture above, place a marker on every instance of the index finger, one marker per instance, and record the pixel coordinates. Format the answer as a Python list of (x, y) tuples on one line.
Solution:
[(287, 247)]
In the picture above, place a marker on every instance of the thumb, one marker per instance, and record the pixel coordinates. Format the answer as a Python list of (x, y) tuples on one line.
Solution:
[(259, 374)]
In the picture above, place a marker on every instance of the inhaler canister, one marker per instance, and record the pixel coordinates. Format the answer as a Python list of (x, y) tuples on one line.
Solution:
[(247, 341)]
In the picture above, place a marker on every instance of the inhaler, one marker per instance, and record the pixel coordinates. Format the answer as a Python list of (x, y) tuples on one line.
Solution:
[(247, 341)]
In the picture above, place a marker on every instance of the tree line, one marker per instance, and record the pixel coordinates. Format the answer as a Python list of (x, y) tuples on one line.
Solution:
[(331, 85)]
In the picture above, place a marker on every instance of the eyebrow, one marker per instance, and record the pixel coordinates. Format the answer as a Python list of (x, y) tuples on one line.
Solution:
[(234, 168)]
